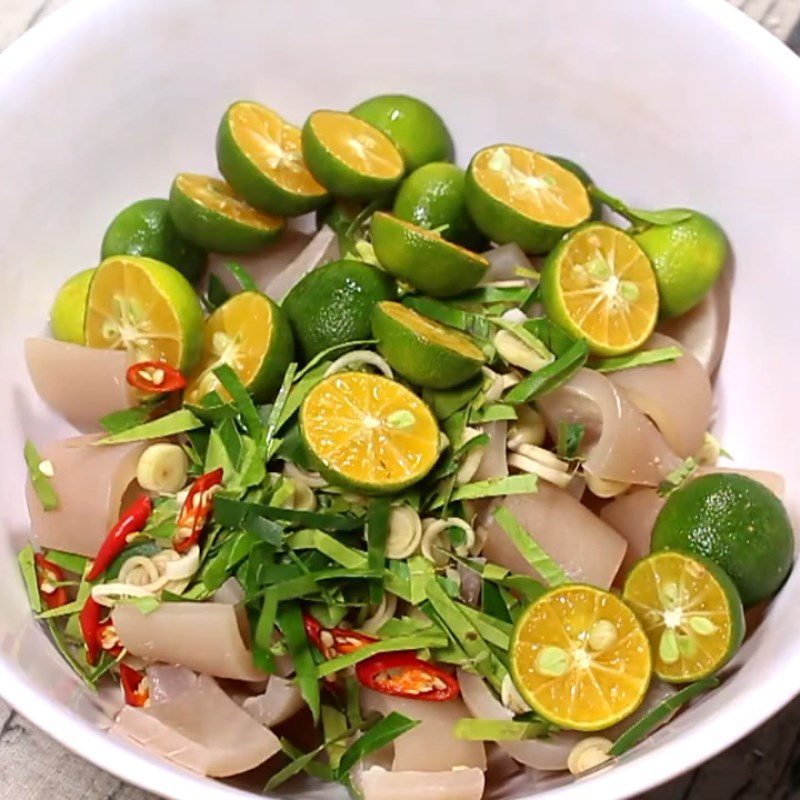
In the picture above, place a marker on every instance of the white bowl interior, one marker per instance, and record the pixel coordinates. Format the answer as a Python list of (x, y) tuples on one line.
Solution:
[(667, 102)]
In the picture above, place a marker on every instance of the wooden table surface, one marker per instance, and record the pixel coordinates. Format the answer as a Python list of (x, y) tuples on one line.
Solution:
[(764, 766)]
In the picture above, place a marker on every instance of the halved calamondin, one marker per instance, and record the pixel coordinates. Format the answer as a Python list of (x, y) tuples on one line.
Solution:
[(260, 156), (211, 215), (519, 195), (368, 433), (580, 658), (691, 612), (251, 335)]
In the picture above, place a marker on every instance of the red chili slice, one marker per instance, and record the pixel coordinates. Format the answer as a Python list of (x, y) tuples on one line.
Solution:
[(131, 521), (156, 377), (196, 510), (134, 685), (48, 575), (404, 675), (99, 635), (332, 642)]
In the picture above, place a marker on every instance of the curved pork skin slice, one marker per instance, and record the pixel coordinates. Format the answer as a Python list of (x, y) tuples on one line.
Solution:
[(430, 746), (277, 703), (494, 463), (202, 729), (91, 483), (81, 384), (620, 443), (323, 248), (168, 682), (675, 395), (262, 267), (588, 549), (704, 329), (377, 783), (633, 516), (205, 637), (548, 754)]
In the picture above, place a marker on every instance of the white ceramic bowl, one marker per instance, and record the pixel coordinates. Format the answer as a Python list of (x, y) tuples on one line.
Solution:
[(665, 102)]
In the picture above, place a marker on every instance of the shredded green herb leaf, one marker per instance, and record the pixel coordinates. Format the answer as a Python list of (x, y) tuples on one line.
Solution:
[(641, 359), (659, 714), (40, 482), (290, 621), (570, 436), (119, 421), (678, 476), (493, 487), (379, 735), (550, 377), (497, 730), (552, 573), (177, 422)]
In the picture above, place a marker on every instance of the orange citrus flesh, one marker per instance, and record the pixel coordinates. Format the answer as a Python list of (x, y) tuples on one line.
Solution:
[(369, 432), (580, 658), (686, 613), (218, 196), (608, 288), (358, 144), (532, 184), (127, 310), (238, 333), (273, 145)]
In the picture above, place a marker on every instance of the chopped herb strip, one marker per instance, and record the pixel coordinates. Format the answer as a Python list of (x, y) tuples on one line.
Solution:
[(290, 621), (332, 548), (70, 562), (492, 413), (550, 377), (678, 476), (277, 409), (262, 634), (498, 730), (552, 573), (242, 400), (641, 359), (64, 647), (119, 421), (242, 276), (659, 714), (299, 763), (39, 477), (298, 393), (474, 324), (75, 607), (353, 701), (570, 436), (445, 402), (555, 339), (465, 634), (27, 564), (513, 295), (495, 631), (232, 513), (377, 531), (379, 735), (418, 641), (493, 487), (177, 422), (217, 293), (314, 768), (334, 725), (493, 603)]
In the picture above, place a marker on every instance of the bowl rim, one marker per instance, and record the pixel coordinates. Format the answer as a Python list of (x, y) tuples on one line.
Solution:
[(144, 770)]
